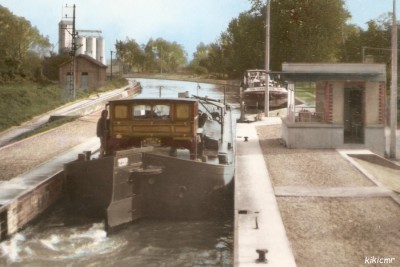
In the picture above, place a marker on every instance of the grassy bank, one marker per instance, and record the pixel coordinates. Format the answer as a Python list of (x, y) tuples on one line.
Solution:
[(20, 102)]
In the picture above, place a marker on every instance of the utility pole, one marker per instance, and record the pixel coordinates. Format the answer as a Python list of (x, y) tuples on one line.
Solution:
[(267, 32), (393, 88), (111, 63), (72, 53)]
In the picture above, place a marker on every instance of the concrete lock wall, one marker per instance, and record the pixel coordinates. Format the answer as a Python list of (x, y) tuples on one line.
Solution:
[(374, 137), (312, 135)]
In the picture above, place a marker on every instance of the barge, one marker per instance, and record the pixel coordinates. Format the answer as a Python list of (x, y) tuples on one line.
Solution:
[(168, 158), (253, 94)]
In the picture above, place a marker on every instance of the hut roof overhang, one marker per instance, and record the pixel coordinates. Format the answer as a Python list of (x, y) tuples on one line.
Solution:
[(297, 72)]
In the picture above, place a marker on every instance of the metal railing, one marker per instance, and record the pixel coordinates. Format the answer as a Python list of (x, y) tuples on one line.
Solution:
[(308, 115)]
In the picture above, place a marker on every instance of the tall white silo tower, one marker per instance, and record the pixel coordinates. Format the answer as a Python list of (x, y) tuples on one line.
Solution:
[(64, 36), (81, 45), (91, 47), (100, 50)]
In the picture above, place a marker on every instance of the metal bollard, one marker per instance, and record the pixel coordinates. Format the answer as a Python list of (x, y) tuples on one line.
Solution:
[(261, 255), (81, 157), (88, 154)]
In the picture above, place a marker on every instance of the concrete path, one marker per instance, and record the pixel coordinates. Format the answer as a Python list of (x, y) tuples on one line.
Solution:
[(11, 190), (258, 224)]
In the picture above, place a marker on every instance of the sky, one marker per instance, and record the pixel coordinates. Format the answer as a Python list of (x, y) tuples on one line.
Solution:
[(187, 22)]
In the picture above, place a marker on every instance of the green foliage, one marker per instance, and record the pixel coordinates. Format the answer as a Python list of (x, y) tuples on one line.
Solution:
[(51, 65), (21, 48), (306, 31), (163, 56), (376, 41), (131, 54), (21, 102), (244, 43), (300, 31), (156, 56), (116, 82), (199, 70)]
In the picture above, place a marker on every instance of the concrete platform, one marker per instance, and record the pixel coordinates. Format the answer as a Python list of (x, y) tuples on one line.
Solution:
[(322, 195), (258, 223)]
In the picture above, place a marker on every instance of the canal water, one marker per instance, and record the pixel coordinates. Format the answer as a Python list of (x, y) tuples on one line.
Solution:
[(169, 88), (57, 240)]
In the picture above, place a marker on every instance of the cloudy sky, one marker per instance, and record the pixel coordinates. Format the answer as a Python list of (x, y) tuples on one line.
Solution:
[(187, 22)]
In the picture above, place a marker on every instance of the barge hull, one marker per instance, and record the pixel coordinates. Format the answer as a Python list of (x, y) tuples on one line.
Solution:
[(136, 183)]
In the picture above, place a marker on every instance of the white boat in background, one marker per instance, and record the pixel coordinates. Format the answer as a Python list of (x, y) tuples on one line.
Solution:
[(254, 83)]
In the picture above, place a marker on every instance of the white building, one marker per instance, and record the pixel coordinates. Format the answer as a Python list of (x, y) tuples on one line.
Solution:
[(346, 107)]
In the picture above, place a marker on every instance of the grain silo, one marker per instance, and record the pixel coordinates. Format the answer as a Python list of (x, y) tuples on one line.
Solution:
[(100, 51), (91, 47), (81, 45), (64, 36)]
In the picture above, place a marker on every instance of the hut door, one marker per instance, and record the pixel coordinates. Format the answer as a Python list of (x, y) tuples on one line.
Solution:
[(84, 80), (353, 115)]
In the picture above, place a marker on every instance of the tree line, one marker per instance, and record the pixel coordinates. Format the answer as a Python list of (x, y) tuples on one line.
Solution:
[(156, 56), (300, 31)]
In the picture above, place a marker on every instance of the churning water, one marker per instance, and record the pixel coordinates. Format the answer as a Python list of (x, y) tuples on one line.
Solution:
[(52, 242)]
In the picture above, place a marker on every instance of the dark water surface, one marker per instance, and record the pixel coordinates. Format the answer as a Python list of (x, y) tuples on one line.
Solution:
[(54, 241)]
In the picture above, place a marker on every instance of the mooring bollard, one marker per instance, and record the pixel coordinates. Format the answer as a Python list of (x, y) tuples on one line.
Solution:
[(87, 154), (81, 157), (261, 255)]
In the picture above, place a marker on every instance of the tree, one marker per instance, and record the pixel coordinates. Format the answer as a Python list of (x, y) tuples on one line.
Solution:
[(306, 31), (163, 56), (375, 41), (200, 63), (300, 31), (131, 54), (378, 35), (350, 49), (156, 56), (51, 65), (240, 47), (244, 43), (21, 47)]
